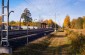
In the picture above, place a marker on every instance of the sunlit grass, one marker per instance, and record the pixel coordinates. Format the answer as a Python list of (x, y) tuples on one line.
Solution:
[(77, 42), (59, 38)]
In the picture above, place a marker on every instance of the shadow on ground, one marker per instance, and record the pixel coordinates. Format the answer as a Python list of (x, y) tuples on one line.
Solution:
[(60, 36), (60, 50)]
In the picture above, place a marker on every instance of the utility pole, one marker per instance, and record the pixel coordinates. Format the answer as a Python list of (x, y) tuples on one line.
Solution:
[(2, 26), (4, 39), (39, 21), (5, 48), (55, 22), (7, 21)]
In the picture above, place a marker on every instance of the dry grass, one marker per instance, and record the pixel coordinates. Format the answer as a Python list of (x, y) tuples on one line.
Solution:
[(79, 31), (58, 42), (58, 38), (77, 41), (73, 36)]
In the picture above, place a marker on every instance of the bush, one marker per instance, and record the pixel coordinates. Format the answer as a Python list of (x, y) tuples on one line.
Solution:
[(77, 42), (68, 31), (73, 36)]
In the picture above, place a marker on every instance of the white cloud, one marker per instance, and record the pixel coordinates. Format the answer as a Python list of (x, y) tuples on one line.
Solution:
[(47, 9)]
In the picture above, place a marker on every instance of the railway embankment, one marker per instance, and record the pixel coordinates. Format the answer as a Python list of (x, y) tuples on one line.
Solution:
[(56, 43)]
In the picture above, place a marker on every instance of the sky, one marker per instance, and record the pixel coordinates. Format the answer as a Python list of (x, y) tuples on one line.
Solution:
[(47, 9)]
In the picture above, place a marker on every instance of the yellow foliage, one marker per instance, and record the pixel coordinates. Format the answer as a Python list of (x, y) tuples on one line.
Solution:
[(49, 22), (67, 22)]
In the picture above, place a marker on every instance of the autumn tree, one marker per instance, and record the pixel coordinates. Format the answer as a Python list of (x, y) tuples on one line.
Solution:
[(73, 23), (83, 22), (50, 23), (79, 23), (67, 22), (12, 23)]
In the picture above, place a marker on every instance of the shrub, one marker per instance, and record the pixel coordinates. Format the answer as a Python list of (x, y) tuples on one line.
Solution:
[(77, 42), (68, 31), (73, 36)]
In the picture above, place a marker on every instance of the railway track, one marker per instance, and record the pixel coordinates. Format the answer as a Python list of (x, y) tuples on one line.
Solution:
[(18, 33), (19, 38)]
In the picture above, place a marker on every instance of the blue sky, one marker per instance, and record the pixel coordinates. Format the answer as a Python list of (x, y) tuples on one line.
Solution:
[(46, 9)]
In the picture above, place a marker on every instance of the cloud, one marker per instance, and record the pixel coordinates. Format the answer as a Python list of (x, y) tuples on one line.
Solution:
[(46, 9)]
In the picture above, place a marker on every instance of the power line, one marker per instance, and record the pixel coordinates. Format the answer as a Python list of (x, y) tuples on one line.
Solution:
[(26, 1)]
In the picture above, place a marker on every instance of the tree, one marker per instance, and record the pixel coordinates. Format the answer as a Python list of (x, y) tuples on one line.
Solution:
[(38, 24), (83, 22), (13, 23), (79, 23), (73, 23), (67, 22), (26, 16), (50, 23)]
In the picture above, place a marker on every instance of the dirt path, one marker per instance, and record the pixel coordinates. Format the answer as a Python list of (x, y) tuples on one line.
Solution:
[(59, 40), (59, 43)]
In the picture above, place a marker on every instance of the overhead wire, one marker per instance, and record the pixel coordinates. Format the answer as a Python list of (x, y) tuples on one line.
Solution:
[(27, 2)]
